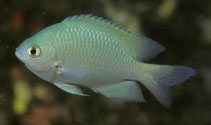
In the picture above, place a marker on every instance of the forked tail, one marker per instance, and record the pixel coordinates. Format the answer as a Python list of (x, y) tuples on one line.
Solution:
[(159, 78)]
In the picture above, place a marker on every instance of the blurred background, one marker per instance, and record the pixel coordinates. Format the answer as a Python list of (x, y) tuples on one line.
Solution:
[(183, 27)]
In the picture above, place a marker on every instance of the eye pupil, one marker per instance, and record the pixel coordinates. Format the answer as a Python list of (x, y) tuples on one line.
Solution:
[(33, 51)]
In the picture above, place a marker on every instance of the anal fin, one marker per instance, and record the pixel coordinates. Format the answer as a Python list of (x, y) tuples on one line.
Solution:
[(72, 89), (128, 91)]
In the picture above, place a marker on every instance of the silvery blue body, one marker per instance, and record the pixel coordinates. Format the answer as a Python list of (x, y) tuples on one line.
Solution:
[(103, 56)]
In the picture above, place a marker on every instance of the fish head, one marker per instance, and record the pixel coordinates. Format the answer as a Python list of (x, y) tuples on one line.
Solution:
[(37, 53)]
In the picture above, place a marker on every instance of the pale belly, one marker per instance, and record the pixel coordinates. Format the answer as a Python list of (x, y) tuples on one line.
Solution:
[(92, 77)]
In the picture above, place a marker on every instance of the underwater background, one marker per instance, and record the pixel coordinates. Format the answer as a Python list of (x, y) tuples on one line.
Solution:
[(183, 27)]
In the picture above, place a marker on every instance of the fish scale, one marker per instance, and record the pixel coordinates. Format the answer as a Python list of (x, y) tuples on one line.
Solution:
[(102, 56)]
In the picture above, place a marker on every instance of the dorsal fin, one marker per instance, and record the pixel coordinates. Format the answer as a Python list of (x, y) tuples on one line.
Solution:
[(140, 46), (90, 17)]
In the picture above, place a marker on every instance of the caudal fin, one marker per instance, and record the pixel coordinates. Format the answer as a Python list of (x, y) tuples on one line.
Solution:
[(159, 78)]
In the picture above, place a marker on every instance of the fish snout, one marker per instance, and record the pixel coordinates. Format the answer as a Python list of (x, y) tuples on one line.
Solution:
[(19, 54)]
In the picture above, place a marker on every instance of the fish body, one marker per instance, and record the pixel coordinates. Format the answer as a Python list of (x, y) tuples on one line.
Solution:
[(96, 53)]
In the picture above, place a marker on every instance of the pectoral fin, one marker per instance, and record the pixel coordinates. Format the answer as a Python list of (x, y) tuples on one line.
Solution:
[(125, 91), (72, 89), (73, 75)]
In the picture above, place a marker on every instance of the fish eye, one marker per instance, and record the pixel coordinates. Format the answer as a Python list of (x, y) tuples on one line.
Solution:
[(34, 51)]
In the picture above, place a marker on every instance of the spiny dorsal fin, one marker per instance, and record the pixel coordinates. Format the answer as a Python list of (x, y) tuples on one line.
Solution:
[(141, 47), (90, 17)]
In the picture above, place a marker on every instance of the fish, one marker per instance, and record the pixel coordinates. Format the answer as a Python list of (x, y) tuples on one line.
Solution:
[(96, 53)]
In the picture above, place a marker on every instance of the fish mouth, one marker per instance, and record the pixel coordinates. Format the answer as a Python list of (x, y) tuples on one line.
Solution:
[(19, 54)]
